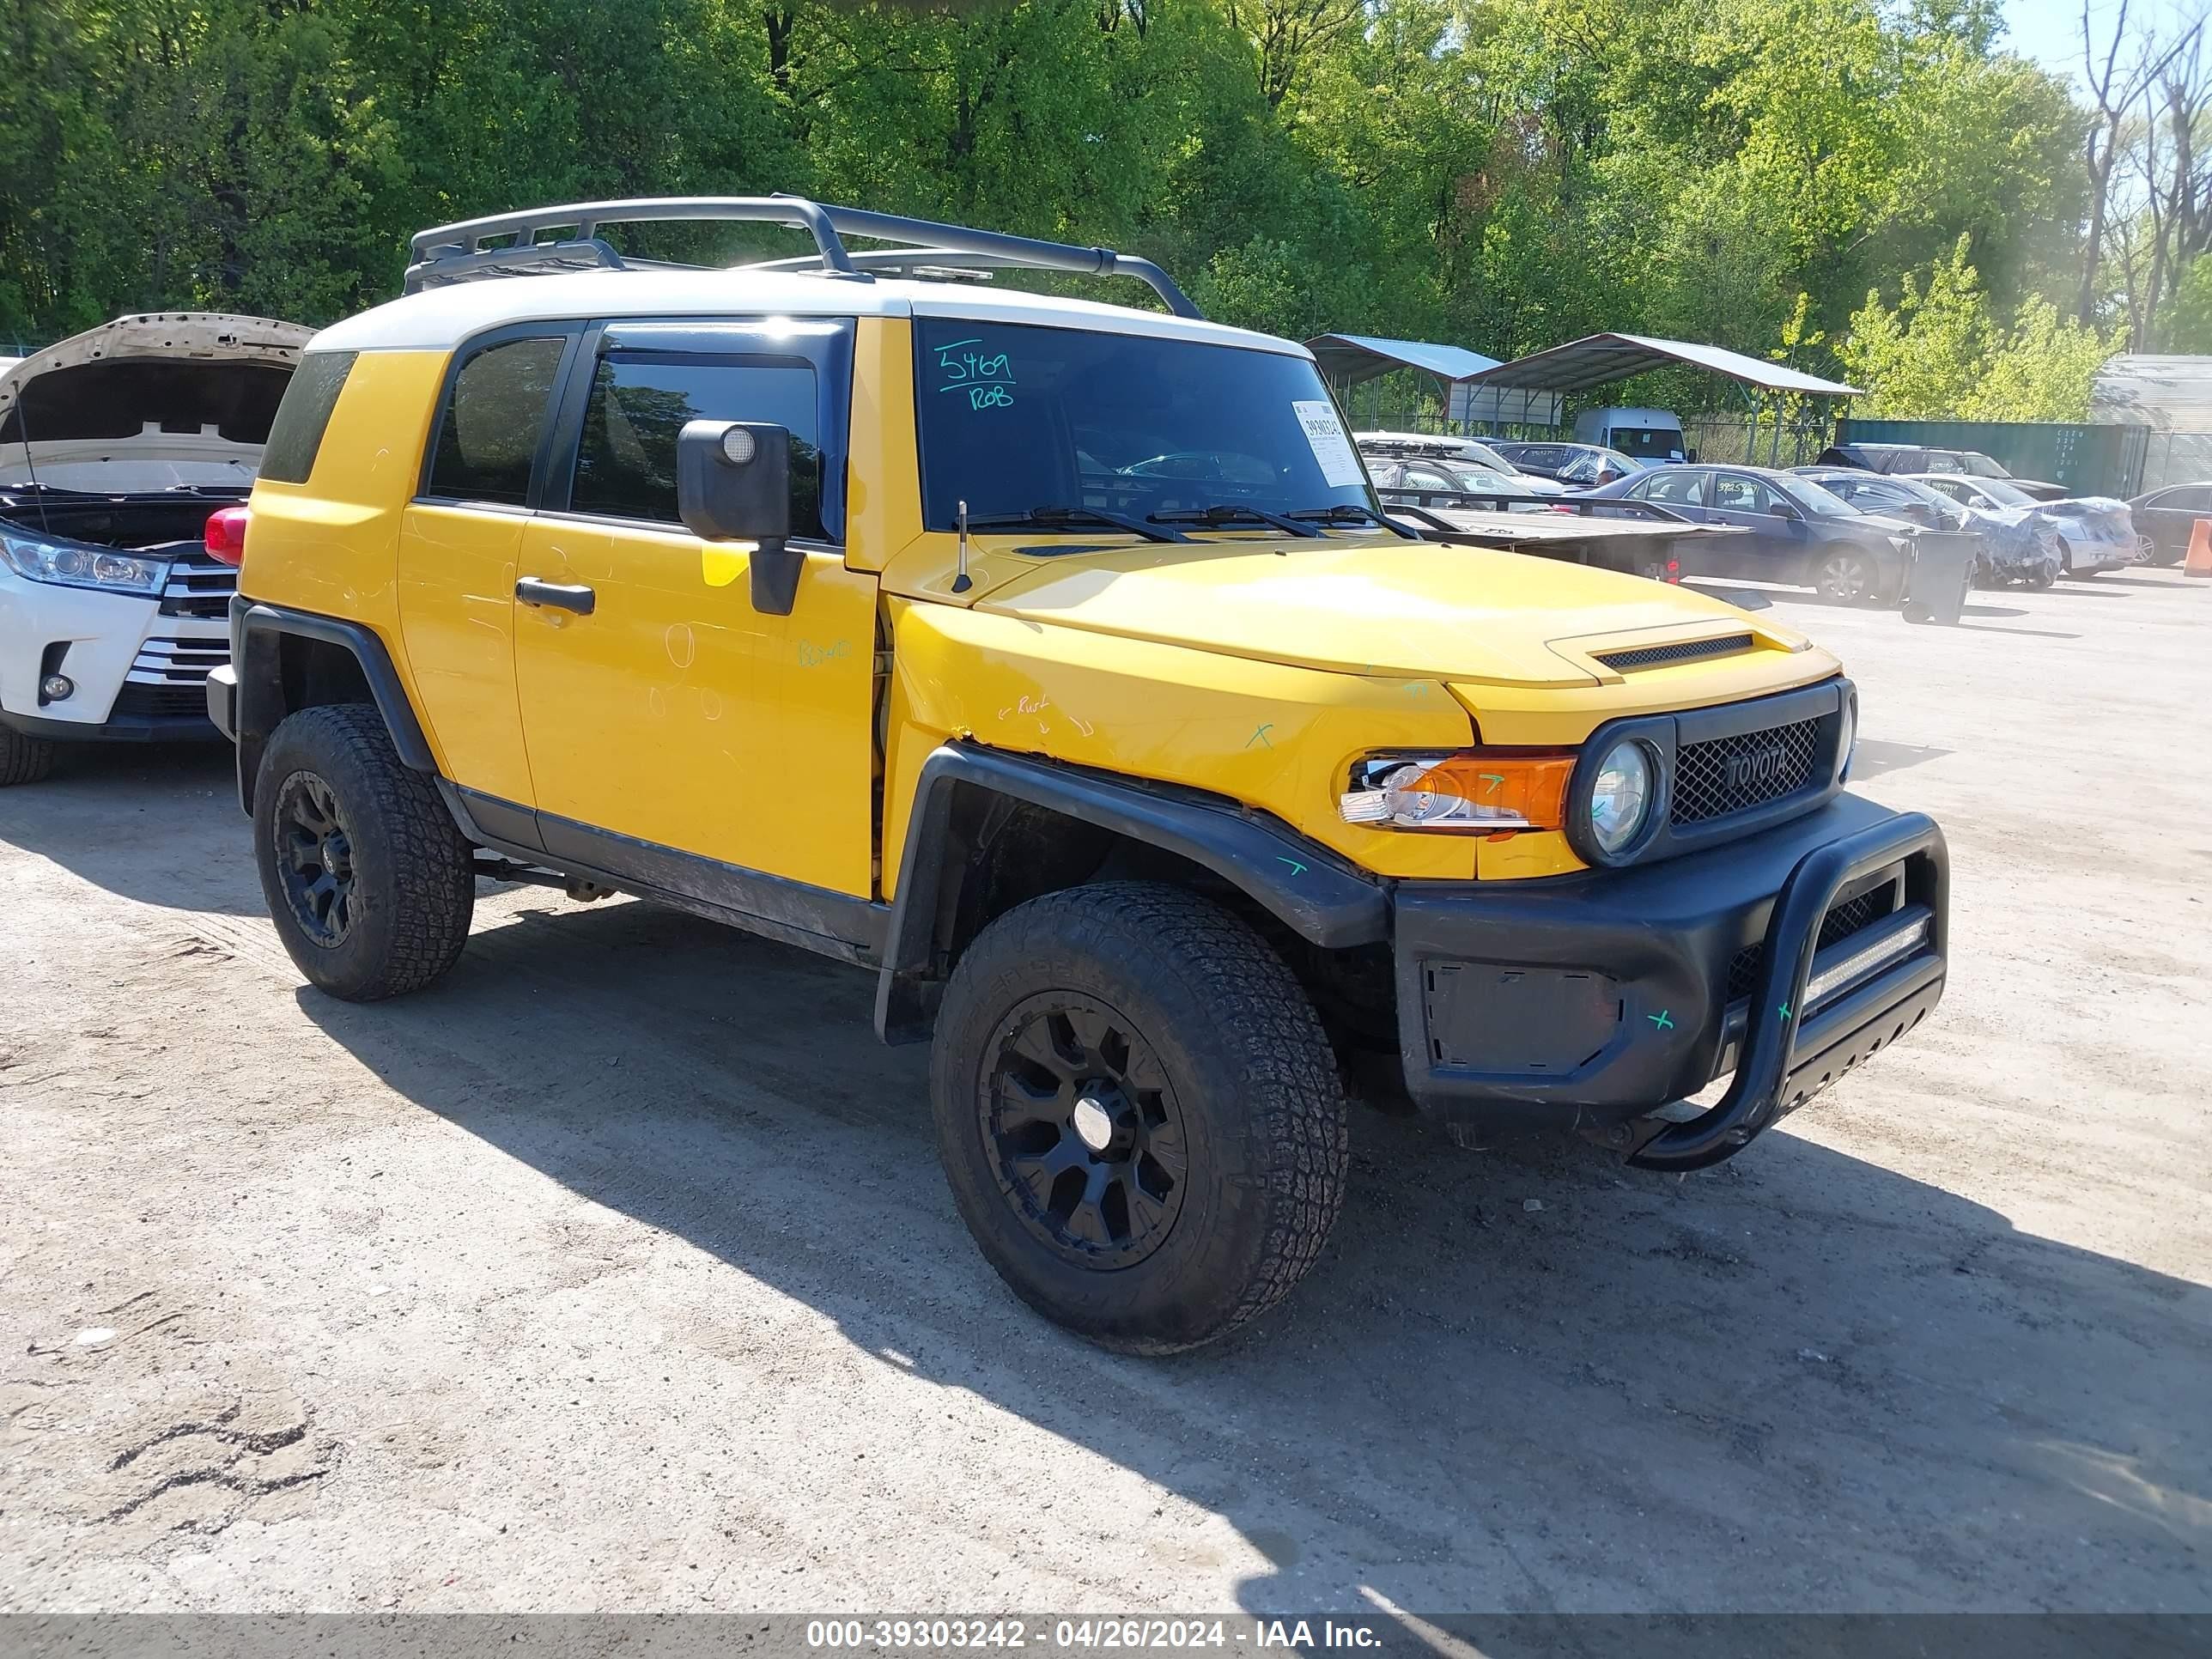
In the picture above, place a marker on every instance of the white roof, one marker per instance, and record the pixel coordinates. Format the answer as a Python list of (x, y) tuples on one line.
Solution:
[(439, 319)]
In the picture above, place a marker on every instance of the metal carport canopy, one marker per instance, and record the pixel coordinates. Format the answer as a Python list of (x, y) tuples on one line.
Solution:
[(1351, 358), (1600, 359)]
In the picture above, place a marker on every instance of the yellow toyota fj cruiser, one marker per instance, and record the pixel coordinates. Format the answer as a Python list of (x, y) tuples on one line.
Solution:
[(1055, 661)]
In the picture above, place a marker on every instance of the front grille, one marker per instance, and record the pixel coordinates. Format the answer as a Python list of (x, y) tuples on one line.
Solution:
[(141, 701), (198, 586), (178, 661), (1743, 972), (1657, 656), (1734, 775)]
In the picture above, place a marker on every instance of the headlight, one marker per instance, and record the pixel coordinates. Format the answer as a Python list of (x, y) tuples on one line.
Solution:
[(74, 564), (1847, 736), (1621, 796), (1473, 791)]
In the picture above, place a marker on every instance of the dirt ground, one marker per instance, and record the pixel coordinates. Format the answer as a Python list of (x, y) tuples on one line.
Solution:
[(618, 1273)]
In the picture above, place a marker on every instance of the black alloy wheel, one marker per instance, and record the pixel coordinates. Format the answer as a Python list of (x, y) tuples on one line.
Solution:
[(1085, 1135), (315, 859)]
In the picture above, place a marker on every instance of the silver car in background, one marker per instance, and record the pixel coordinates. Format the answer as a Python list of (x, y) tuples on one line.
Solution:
[(2095, 532)]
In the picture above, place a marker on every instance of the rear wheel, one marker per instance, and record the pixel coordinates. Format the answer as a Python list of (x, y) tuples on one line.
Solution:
[(2153, 553), (1138, 1114), (23, 760), (369, 882)]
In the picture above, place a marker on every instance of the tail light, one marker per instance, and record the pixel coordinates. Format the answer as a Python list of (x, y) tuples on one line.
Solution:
[(225, 535), (1674, 570)]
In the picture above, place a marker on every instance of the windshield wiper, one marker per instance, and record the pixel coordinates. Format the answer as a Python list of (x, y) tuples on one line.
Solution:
[(1225, 513), (1336, 515), (1068, 518)]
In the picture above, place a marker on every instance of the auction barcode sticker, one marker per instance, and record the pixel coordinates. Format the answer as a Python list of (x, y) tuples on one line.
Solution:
[(1339, 467)]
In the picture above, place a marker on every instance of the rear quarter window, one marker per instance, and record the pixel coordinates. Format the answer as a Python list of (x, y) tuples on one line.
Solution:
[(488, 432), (296, 437)]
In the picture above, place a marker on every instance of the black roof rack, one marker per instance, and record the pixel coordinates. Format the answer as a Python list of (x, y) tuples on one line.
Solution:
[(516, 245)]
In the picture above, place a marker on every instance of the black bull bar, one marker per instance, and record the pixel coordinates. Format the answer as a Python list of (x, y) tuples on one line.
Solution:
[(1789, 1050)]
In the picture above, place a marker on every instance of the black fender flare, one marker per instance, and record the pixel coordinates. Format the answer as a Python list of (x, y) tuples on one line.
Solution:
[(1317, 894), (256, 629)]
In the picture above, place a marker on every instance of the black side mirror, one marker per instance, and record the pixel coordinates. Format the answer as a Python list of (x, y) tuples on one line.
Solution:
[(734, 485), (1787, 510), (1689, 457)]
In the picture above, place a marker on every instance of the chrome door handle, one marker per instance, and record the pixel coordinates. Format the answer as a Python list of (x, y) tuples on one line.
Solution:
[(532, 590)]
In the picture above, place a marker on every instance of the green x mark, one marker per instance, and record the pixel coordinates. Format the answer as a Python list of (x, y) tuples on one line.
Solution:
[(1661, 1020), (1785, 1011)]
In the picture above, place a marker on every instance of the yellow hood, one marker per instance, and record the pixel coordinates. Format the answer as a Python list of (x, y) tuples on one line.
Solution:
[(1465, 615)]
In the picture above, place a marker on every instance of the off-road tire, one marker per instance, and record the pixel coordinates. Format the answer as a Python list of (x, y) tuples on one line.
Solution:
[(23, 760), (415, 883), (1252, 1076)]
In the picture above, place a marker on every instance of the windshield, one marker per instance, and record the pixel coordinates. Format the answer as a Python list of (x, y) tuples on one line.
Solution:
[(1660, 443), (1980, 466), (1014, 417), (1821, 503), (2007, 494), (1925, 494), (1483, 480), (1483, 455)]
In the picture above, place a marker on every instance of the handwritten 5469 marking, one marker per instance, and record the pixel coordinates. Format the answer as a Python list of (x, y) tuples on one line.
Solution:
[(985, 376)]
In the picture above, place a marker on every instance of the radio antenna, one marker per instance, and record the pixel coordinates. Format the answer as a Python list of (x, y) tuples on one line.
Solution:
[(960, 582)]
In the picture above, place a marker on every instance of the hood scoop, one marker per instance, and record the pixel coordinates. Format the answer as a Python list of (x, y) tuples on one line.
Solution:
[(1666, 656)]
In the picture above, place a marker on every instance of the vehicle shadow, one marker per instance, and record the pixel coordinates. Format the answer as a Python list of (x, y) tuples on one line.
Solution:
[(2024, 633), (1526, 1380), (112, 812), (1874, 756)]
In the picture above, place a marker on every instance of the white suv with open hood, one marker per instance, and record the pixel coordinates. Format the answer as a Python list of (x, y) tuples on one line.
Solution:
[(116, 445)]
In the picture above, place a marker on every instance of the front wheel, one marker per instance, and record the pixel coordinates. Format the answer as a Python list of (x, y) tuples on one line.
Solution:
[(1138, 1114), (369, 882), (1847, 576), (23, 760)]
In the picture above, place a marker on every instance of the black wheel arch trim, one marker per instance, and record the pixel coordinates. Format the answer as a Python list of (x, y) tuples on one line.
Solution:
[(1317, 894), (259, 703)]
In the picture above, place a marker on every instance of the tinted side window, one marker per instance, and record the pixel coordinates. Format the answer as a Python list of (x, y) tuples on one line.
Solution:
[(1671, 487), (495, 415), (1734, 494), (640, 401), (304, 415)]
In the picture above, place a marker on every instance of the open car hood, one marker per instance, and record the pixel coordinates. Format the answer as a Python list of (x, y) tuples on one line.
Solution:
[(148, 402), (1423, 610)]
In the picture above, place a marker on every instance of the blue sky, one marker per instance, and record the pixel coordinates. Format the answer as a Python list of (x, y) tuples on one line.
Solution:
[(2049, 31)]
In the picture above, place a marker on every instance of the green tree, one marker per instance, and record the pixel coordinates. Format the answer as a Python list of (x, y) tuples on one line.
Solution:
[(1939, 352)]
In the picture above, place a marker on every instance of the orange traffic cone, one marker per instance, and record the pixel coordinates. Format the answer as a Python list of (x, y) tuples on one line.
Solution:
[(2200, 550)]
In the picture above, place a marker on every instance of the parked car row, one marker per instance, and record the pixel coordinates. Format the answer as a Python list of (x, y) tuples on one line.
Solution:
[(2016, 546)]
